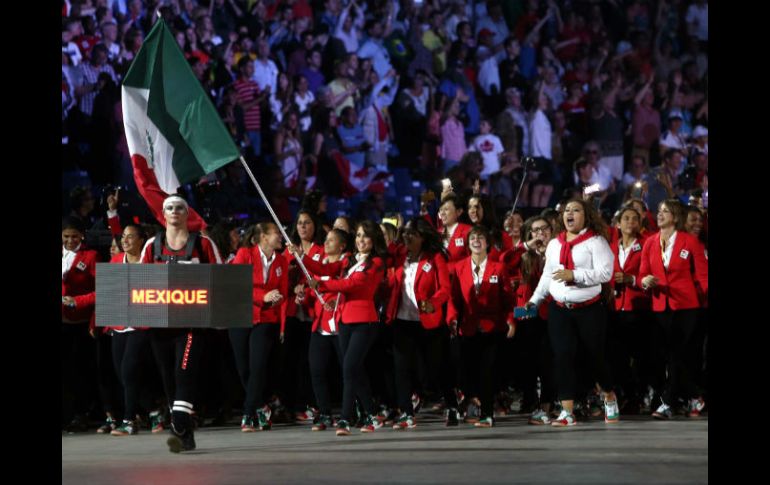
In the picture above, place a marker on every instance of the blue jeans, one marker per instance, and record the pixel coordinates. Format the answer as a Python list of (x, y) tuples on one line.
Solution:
[(255, 137)]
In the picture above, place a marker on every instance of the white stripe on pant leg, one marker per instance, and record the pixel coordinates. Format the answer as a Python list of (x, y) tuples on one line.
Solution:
[(183, 406)]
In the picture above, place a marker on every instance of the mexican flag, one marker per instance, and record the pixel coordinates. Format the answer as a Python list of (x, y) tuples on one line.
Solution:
[(170, 122)]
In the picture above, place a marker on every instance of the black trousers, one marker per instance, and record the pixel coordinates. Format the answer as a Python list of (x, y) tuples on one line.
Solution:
[(355, 341), (78, 369), (130, 352), (479, 353), (295, 369), (567, 327), (178, 355), (322, 348), (533, 358), (252, 348), (629, 351), (379, 367), (675, 330), (412, 344), (110, 390), (220, 387)]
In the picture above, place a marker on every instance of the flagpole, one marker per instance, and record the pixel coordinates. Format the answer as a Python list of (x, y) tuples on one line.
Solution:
[(280, 227)]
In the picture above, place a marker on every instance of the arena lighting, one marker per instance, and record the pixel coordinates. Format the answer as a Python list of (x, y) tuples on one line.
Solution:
[(169, 297)]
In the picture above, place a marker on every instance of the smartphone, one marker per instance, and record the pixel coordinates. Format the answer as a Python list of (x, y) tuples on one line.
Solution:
[(521, 312), (446, 184)]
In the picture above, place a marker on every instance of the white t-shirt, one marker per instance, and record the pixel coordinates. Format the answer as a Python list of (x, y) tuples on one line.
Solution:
[(490, 147), (265, 74), (540, 133), (303, 103)]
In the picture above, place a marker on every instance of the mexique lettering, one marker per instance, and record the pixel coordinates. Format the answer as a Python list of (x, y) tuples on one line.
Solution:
[(173, 297)]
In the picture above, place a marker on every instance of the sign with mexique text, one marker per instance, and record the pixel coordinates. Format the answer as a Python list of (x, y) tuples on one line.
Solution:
[(173, 295)]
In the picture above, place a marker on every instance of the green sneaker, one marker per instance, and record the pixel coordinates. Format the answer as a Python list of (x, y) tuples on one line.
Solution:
[(263, 419), (108, 426), (125, 429), (487, 422), (611, 412)]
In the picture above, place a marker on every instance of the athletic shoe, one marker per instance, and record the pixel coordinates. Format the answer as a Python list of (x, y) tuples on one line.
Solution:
[(416, 403), (321, 422), (107, 427), (247, 424), (539, 417), (663, 412), (307, 415), (125, 429), (611, 412), (404, 421), (178, 442), (696, 407), (564, 419), (156, 422), (486, 422), (263, 419), (452, 417), (343, 429), (371, 424)]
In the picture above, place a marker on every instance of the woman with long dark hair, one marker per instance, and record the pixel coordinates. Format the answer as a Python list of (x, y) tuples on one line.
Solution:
[(324, 339), (674, 270), (577, 263), (533, 350), (361, 275), (298, 393), (252, 346), (420, 289)]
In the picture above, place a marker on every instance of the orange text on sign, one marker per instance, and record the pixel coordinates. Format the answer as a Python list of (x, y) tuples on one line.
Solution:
[(168, 297)]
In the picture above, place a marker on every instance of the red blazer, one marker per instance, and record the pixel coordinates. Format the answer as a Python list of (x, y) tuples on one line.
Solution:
[(321, 315), (80, 283), (431, 283), (491, 309), (458, 244), (277, 278), (357, 290), (687, 272), (296, 276), (629, 297)]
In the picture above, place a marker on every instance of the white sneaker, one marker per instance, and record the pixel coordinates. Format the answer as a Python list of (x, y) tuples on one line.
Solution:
[(539, 417), (663, 412), (564, 419)]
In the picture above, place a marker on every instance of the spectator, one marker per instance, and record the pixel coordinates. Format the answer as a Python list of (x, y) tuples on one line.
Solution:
[(281, 101), (494, 22), (265, 70), (606, 128), (664, 180), (91, 71), (303, 99), (378, 131), (512, 124), (373, 47), (436, 40), (298, 56), (645, 124), (490, 147), (637, 173), (452, 136), (312, 72), (351, 134), (343, 88), (249, 97), (348, 27), (673, 138)]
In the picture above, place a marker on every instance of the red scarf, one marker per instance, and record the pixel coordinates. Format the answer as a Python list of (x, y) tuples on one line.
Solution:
[(565, 257)]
